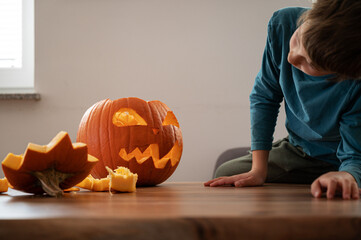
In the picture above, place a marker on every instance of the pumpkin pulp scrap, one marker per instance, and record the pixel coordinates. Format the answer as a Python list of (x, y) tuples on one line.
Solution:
[(93, 184), (49, 168), (4, 185), (121, 180)]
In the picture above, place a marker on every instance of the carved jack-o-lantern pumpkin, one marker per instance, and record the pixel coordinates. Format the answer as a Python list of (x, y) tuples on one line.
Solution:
[(130, 132)]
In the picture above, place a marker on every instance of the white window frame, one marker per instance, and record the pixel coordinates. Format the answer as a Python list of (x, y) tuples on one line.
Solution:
[(22, 79)]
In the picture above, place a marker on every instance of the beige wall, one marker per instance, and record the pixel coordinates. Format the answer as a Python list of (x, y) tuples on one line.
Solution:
[(200, 57)]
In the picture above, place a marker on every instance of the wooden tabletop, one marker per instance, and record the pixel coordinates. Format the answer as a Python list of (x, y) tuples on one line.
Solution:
[(181, 211)]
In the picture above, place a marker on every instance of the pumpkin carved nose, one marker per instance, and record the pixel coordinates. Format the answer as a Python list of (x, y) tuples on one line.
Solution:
[(155, 131)]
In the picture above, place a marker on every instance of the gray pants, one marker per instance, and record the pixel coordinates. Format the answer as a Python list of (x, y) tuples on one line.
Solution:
[(286, 164)]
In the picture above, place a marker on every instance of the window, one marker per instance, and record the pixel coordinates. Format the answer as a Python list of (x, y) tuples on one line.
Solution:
[(16, 44)]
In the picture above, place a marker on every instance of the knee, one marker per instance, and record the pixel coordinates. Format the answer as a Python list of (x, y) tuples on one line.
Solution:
[(221, 171), (232, 168)]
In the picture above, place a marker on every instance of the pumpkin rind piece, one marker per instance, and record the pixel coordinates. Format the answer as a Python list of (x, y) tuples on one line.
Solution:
[(49, 168)]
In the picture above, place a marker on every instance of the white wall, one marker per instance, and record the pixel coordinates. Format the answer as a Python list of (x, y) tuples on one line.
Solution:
[(199, 57)]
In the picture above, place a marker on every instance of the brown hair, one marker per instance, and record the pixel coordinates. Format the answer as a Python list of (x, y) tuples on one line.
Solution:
[(332, 38)]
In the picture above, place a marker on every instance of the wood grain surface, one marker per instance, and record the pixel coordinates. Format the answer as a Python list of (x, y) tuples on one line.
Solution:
[(181, 211)]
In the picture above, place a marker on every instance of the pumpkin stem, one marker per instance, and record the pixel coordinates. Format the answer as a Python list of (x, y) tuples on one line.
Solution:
[(50, 181)]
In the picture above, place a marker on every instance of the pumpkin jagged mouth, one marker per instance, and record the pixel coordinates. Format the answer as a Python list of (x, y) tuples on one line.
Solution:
[(152, 151)]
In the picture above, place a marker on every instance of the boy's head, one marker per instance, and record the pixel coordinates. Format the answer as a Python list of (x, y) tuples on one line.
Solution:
[(330, 35)]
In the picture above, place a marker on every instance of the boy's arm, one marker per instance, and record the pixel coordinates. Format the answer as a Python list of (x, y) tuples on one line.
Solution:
[(255, 177), (266, 95), (347, 180), (260, 163)]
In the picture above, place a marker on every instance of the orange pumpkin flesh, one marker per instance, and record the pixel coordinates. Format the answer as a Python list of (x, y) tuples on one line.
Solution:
[(121, 180), (87, 183), (130, 132), (96, 185), (49, 168), (4, 185)]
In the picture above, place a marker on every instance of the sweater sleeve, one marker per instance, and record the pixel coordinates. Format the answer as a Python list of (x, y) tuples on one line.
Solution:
[(349, 150), (265, 97)]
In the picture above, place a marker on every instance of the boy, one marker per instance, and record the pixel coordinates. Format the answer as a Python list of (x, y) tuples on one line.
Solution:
[(312, 61)]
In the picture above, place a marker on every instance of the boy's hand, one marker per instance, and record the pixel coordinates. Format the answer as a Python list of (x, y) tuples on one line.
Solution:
[(251, 178), (336, 182), (255, 177)]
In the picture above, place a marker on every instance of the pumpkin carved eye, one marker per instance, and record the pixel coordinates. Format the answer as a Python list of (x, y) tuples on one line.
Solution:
[(127, 117), (170, 119)]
